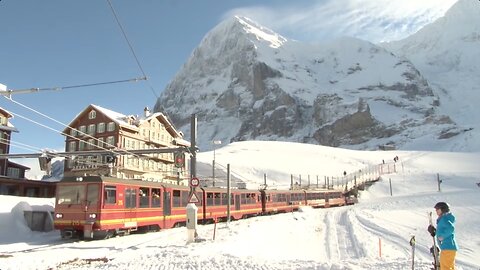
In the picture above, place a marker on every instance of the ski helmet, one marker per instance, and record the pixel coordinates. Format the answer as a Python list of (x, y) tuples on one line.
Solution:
[(442, 206)]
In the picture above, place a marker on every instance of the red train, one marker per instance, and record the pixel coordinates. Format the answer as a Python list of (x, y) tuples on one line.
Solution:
[(95, 207)]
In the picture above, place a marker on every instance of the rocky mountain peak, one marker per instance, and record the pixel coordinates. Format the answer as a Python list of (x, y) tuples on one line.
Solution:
[(246, 82)]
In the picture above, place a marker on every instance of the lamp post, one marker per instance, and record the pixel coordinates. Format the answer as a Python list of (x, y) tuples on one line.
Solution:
[(214, 142)]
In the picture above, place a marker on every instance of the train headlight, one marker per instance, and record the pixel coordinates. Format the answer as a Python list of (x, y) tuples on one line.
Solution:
[(92, 215), (59, 215)]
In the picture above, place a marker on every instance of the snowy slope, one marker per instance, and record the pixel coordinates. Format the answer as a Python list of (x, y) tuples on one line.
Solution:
[(246, 82), (447, 53), (342, 238)]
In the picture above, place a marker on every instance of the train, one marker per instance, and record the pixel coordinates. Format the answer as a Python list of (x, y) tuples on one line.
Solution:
[(99, 207)]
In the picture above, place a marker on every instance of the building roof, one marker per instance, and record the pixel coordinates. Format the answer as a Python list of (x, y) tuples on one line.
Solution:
[(16, 165), (9, 126), (6, 113), (135, 121)]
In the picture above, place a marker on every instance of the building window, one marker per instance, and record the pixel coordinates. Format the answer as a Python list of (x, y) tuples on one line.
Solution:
[(72, 146), (101, 142), (82, 130), (91, 129), (91, 143), (13, 172), (81, 145), (111, 126), (110, 141), (73, 132), (101, 127), (3, 120), (92, 114)]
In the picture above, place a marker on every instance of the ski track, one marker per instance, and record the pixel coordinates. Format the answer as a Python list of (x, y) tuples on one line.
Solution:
[(338, 227), (342, 243)]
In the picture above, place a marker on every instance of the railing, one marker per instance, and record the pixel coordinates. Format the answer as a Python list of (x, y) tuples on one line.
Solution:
[(355, 180)]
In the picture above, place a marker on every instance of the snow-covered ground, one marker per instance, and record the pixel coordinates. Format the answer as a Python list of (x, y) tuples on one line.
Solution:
[(373, 234)]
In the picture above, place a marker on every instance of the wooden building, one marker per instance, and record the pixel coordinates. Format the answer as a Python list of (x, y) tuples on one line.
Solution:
[(12, 175), (97, 128)]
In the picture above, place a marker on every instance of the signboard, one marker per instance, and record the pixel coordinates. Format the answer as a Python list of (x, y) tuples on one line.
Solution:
[(193, 198), (194, 182)]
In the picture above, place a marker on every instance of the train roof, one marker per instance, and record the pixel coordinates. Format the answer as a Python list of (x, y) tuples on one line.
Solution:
[(138, 182)]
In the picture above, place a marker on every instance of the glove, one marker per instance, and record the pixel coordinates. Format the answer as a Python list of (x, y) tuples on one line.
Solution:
[(432, 230)]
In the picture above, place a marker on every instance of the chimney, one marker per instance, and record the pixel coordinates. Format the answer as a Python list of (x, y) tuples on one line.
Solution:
[(146, 111)]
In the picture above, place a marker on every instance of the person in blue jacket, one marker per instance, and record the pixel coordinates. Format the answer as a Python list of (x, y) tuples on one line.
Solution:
[(445, 233)]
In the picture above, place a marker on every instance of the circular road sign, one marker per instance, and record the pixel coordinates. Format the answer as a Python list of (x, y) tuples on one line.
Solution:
[(194, 182)]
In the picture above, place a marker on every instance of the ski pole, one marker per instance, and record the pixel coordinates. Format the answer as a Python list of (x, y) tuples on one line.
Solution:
[(412, 244)]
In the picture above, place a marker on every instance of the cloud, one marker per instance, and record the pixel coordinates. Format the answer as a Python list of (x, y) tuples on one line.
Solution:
[(373, 20)]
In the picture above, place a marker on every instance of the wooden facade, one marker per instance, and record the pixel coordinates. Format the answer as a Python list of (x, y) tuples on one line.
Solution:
[(97, 128), (12, 175)]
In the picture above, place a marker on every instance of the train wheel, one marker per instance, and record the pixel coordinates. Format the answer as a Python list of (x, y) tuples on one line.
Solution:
[(154, 228), (104, 234)]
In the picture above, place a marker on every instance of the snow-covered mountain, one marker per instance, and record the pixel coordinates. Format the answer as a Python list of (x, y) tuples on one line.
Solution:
[(447, 53), (246, 82)]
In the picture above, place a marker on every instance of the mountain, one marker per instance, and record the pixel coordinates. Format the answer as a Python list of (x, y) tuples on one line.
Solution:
[(447, 53), (246, 82)]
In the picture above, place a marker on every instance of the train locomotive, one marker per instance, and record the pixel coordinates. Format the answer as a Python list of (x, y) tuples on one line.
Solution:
[(97, 207)]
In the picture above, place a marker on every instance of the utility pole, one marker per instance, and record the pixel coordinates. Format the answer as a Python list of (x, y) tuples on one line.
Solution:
[(214, 142), (193, 146)]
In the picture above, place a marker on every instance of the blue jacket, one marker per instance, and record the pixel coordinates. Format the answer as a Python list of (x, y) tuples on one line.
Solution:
[(446, 231)]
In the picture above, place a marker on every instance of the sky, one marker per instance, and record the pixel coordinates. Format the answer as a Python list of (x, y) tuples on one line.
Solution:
[(68, 43), (372, 234)]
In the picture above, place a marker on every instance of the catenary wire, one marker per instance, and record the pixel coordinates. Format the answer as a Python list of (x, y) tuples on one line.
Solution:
[(19, 145), (57, 88), (116, 151), (68, 135), (130, 46), (35, 149)]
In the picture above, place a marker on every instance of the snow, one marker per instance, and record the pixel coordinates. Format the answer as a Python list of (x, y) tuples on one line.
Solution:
[(446, 53), (335, 238), (311, 79)]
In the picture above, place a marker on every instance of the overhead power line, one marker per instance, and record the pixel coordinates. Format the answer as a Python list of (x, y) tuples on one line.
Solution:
[(130, 46), (10, 92), (58, 131)]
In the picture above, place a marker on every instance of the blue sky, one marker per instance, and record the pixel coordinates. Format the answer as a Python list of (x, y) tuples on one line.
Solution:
[(63, 43)]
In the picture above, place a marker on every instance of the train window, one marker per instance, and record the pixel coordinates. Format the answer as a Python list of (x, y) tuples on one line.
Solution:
[(217, 199), (185, 198), (110, 195), (176, 198), (209, 198), (71, 194), (243, 199), (224, 199), (92, 194), (250, 198), (130, 198), (156, 195), (144, 194)]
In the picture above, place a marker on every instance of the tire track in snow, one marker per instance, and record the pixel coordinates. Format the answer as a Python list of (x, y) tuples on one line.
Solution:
[(341, 241)]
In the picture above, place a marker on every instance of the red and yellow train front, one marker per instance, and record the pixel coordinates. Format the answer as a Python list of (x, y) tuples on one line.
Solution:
[(77, 208)]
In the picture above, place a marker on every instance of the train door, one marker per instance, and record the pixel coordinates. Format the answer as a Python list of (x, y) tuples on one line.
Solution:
[(167, 203), (92, 201), (130, 207), (91, 208), (237, 201)]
